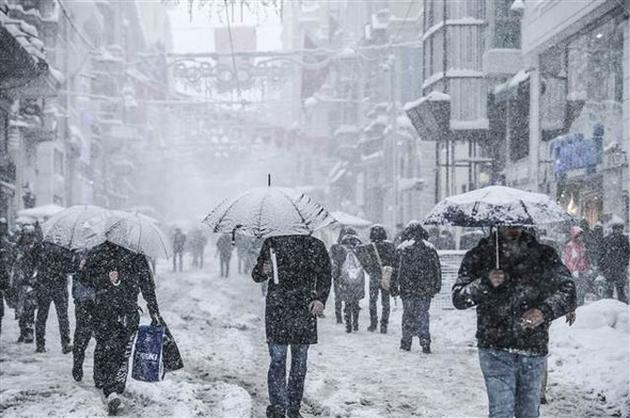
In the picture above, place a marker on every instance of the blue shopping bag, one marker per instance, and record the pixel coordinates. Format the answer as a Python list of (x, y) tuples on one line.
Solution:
[(147, 355)]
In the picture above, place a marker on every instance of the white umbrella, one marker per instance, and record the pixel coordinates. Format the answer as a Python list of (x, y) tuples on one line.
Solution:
[(39, 212), (77, 227), (344, 218), (137, 233), (269, 211)]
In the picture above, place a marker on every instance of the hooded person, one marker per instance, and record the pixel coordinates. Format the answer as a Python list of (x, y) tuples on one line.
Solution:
[(614, 262), (575, 257), (297, 268), (348, 271), (117, 276), (418, 280), (516, 303), (334, 252), (380, 264)]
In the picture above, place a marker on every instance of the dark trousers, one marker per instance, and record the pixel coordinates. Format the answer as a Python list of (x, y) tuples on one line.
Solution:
[(374, 291), (616, 281), (178, 255), (225, 265), (283, 394), (351, 315), (26, 316), (83, 331), (114, 341), (56, 293), (415, 319), (338, 304)]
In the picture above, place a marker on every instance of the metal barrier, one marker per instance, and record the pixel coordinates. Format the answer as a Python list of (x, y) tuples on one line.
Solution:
[(450, 261)]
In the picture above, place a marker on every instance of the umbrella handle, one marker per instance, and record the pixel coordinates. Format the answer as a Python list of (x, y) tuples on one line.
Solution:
[(497, 248), (234, 234)]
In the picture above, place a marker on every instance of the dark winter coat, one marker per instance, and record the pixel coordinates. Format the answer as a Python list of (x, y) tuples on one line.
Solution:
[(615, 255), (386, 251), (537, 278), (55, 264), (334, 249), (134, 274), (419, 272), (179, 242), (7, 256), (303, 277), (348, 291)]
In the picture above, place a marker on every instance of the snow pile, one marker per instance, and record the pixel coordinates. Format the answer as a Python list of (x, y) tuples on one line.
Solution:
[(594, 354)]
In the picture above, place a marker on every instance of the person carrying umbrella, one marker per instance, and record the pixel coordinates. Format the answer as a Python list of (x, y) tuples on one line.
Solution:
[(298, 270), (518, 288)]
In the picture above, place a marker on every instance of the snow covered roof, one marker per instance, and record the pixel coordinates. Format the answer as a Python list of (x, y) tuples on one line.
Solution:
[(434, 96), (513, 82)]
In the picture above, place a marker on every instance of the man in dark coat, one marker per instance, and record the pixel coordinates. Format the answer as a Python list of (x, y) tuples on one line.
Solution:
[(55, 264), (614, 262), (23, 283), (179, 244), (347, 271), (298, 270), (418, 280), (516, 304), (335, 249), (380, 254), (6, 263), (118, 276), (224, 250)]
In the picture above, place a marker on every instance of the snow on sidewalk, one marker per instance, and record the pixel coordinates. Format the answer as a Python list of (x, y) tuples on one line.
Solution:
[(219, 326)]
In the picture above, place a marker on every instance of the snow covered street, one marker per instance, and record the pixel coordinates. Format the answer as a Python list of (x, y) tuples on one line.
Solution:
[(218, 324)]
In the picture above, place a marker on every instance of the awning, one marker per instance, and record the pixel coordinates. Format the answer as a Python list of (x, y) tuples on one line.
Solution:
[(430, 115), (508, 90)]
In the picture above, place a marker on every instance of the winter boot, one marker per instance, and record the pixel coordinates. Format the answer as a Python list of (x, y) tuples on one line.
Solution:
[(426, 346), (40, 349), (294, 413), (405, 345), (383, 328), (348, 327), (372, 327), (275, 412), (66, 348), (114, 403), (543, 400), (28, 337)]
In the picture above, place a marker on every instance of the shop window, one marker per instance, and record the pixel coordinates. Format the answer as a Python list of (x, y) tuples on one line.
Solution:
[(507, 26), (518, 130)]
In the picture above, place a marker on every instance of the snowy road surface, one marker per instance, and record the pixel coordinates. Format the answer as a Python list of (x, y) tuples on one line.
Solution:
[(219, 326)]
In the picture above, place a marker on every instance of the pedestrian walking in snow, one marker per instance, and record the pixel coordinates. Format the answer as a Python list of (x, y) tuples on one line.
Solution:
[(6, 264), (118, 276), (334, 250), (348, 271), (54, 266), (197, 246), (297, 268), (575, 257), (418, 280), (179, 244), (614, 262), (84, 297), (243, 244), (23, 282), (224, 250), (516, 304), (380, 264)]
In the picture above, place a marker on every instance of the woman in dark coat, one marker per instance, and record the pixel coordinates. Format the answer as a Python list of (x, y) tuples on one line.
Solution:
[(418, 280), (378, 254), (348, 271), (297, 268)]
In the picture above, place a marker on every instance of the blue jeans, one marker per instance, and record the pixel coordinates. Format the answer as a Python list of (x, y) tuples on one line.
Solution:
[(513, 382), (281, 394), (415, 319)]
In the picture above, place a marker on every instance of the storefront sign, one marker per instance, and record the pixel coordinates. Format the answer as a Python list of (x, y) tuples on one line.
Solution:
[(573, 151)]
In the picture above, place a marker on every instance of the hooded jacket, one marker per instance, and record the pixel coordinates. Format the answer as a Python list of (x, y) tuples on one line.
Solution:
[(386, 252), (419, 271), (575, 254), (348, 291)]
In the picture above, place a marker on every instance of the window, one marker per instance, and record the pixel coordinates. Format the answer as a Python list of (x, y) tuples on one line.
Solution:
[(507, 26), (58, 162), (518, 114)]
